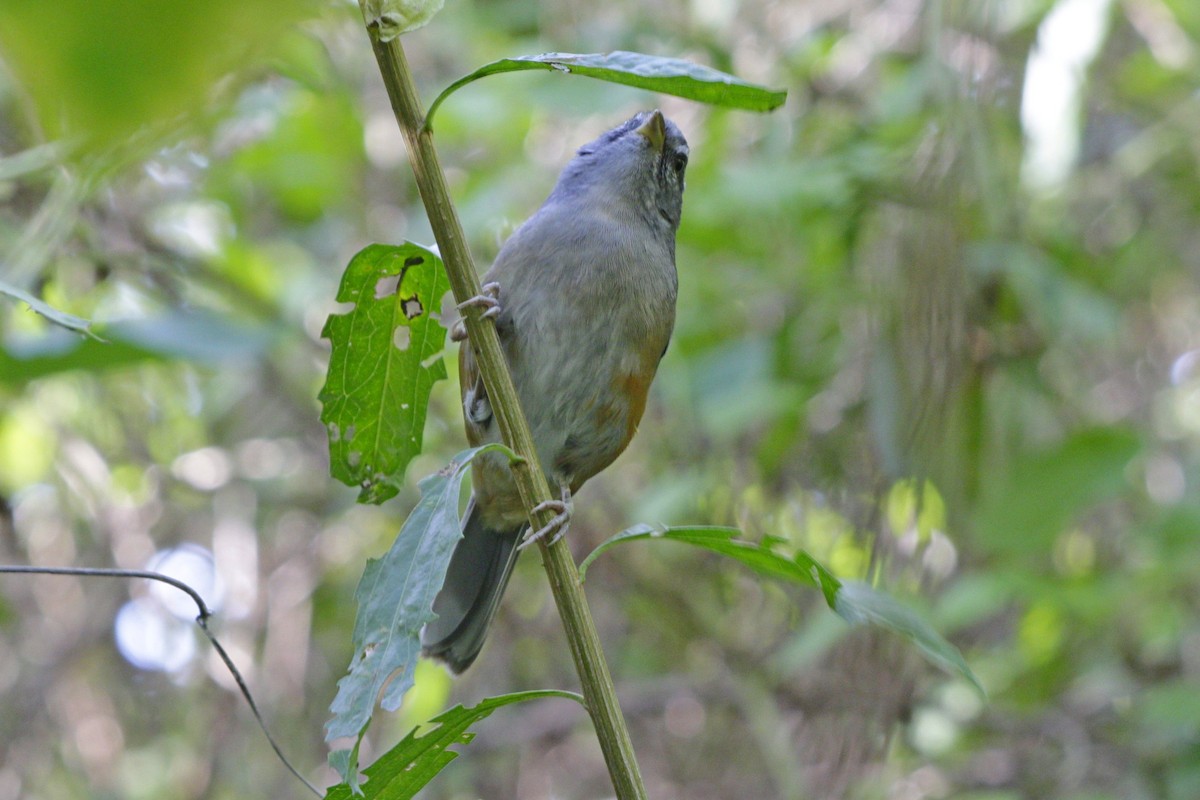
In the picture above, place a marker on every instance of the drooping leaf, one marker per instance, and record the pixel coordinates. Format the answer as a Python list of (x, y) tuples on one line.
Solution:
[(402, 771), (384, 362), (195, 336), (762, 558), (60, 318), (859, 603), (395, 599), (854, 602), (654, 73)]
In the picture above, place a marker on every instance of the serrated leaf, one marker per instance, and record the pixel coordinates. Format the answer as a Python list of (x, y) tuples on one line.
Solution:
[(402, 771), (859, 603), (855, 602), (383, 365), (60, 318), (654, 73), (395, 599)]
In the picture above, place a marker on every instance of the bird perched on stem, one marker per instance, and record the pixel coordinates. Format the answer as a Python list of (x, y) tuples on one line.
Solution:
[(583, 297)]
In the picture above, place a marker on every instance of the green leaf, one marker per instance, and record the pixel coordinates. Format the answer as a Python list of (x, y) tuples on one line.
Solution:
[(35, 159), (395, 599), (800, 568), (653, 73), (383, 365), (855, 602), (199, 337), (402, 771), (60, 318), (394, 17), (316, 128), (110, 74), (859, 603), (1026, 508)]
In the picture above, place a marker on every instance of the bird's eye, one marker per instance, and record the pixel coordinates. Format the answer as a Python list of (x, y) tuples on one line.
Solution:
[(679, 161)]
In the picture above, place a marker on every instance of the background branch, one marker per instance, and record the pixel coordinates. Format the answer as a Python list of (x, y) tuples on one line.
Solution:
[(201, 620)]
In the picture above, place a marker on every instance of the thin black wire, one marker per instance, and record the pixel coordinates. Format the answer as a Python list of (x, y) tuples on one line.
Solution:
[(201, 620)]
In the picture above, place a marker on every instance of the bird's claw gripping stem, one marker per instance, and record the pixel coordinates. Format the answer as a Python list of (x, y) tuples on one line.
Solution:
[(488, 300), (556, 528)]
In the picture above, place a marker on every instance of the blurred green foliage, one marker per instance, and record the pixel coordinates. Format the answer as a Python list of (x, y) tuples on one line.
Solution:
[(899, 346), (103, 74)]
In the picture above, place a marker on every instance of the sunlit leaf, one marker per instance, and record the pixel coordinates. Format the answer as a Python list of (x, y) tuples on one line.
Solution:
[(29, 443), (61, 318), (395, 600), (402, 771), (652, 73), (915, 505), (384, 362)]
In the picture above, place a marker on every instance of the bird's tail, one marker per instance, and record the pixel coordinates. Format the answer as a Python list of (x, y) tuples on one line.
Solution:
[(479, 571)]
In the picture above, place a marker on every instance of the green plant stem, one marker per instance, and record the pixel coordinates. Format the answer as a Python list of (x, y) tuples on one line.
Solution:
[(598, 689)]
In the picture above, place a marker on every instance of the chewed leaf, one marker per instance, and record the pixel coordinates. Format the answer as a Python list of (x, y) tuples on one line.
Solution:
[(409, 766), (395, 599), (653, 73), (855, 602), (385, 359)]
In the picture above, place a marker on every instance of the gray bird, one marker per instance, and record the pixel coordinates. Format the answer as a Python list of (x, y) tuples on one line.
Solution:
[(583, 296)]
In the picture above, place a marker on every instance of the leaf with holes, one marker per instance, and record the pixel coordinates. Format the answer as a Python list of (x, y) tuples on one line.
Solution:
[(386, 357), (653, 73), (402, 771)]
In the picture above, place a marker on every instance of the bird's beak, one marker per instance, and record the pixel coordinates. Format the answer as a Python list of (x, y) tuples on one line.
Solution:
[(654, 130)]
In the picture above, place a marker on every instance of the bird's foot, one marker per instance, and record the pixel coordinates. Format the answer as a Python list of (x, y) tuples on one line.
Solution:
[(556, 528), (488, 300)]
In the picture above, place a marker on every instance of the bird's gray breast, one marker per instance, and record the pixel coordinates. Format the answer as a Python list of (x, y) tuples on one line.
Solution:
[(585, 298)]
